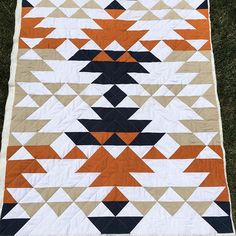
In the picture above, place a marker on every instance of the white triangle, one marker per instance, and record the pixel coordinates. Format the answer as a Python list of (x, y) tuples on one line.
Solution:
[(171, 196), (129, 210), (198, 57), (66, 90), (91, 45), (163, 91), (21, 154), (17, 213), (102, 102), (23, 137), (197, 44), (115, 151), (27, 102), (57, 3), (100, 211), (214, 210), (31, 42), (30, 55), (127, 102), (115, 46), (205, 137), (208, 153), (202, 103), (68, 11), (60, 196)]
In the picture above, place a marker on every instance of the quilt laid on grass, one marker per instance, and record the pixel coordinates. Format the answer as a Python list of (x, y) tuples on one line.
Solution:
[(112, 123)]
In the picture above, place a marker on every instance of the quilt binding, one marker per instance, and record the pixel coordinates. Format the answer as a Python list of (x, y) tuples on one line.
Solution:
[(9, 109)]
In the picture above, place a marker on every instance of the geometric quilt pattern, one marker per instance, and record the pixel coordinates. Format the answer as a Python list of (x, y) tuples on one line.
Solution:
[(115, 123)]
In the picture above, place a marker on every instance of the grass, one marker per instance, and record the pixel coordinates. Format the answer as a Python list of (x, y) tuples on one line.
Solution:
[(223, 18)]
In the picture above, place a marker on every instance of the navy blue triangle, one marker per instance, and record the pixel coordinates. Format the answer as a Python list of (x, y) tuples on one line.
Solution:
[(115, 207), (7, 207), (115, 5), (10, 227), (222, 224), (225, 206), (204, 5), (25, 3)]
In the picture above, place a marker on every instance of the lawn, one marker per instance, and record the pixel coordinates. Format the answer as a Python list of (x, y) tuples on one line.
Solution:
[(223, 18)]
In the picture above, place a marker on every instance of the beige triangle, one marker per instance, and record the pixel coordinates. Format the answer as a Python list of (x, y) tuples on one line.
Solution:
[(151, 88), (144, 207), (91, 4), (171, 207), (186, 139), (207, 54), (57, 14), (53, 87), (160, 6), (31, 208), (28, 125), (138, 7), (65, 99), (49, 54), (208, 114), (164, 100), (80, 14), (183, 5), (200, 207), (74, 192), (172, 15), (89, 99), (21, 52), (46, 193), (216, 140), (59, 207), (139, 100), (156, 192), (175, 88), (40, 99), (198, 67), (69, 4), (202, 77), (179, 56), (200, 125), (13, 141), (149, 16), (23, 113), (184, 192), (78, 88), (188, 100), (28, 76), (45, 3), (43, 139), (87, 207)]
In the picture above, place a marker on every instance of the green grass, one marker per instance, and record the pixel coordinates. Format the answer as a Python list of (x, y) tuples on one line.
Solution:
[(223, 17)]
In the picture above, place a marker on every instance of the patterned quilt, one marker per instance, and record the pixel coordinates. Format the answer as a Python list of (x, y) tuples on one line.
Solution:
[(112, 123)]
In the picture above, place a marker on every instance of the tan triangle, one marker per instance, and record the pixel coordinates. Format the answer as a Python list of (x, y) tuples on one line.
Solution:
[(144, 207), (184, 192), (208, 114), (28, 125), (74, 192), (13, 141), (200, 207), (43, 139), (80, 14), (53, 87), (69, 4), (139, 100), (188, 100), (164, 100), (186, 139), (23, 112), (183, 5), (171, 207), (31, 208), (156, 192), (87, 207), (160, 6), (59, 207), (179, 56), (65, 99), (57, 14), (40, 99), (172, 15), (175, 88), (151, 88), (138, 7), (45, 3), (78, 88), (46, 193), (202, 77), (207, 54), (91, 4), (89, 99), (49, 54), (149, 16)]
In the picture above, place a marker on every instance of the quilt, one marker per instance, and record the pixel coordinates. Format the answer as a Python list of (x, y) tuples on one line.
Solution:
[(112, 123)]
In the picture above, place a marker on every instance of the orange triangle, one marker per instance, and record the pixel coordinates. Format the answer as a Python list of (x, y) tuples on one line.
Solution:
[(79, 43), (102, 56), (75, 153), (115, 195), (102, 137), (115, 13), (224, 196), (26, 10), (11, 150), (154, 154), (150, 44), (42, 152), (126, 57), (22, 44), (217, 149), (204, 12), (127, 137), (8, 197)]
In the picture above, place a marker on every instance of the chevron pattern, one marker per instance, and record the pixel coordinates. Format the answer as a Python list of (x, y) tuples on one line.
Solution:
[(115, 126)]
